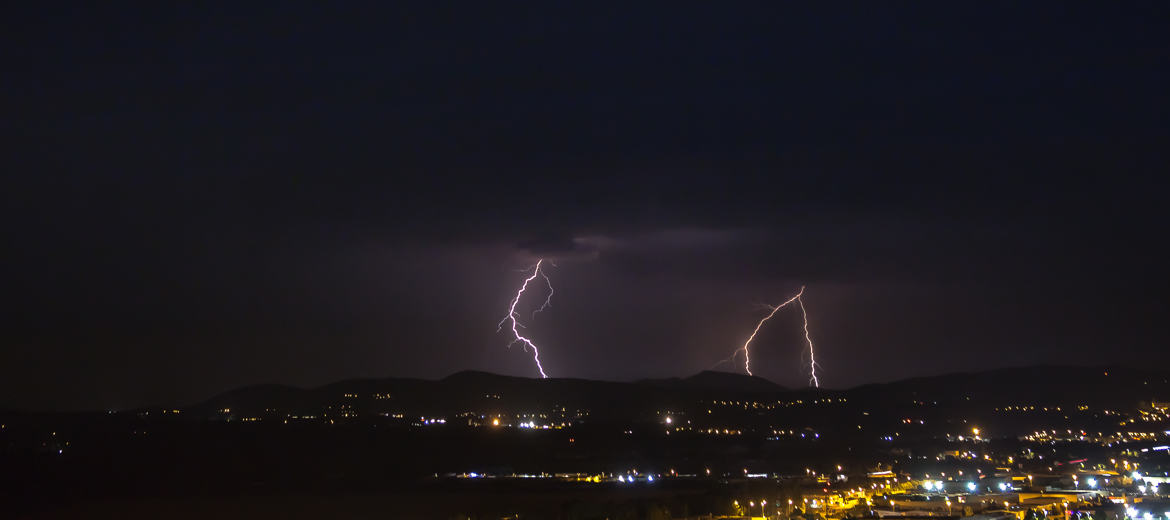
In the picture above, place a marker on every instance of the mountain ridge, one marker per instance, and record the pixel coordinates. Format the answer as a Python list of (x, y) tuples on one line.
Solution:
[(1046, 379)]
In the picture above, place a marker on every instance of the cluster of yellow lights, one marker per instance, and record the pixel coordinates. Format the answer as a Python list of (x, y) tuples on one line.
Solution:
[(717, 431), (778, 404), (1081, 435), (1032, 408)]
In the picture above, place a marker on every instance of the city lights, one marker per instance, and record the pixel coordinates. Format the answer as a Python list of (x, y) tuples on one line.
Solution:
[(255, 254)]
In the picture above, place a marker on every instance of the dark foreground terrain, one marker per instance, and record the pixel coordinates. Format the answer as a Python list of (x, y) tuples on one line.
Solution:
[(485, 446)]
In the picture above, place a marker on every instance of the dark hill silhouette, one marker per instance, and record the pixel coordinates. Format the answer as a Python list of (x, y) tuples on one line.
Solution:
[(713, 380), (470, 389), (1048, 384), (475, 390)]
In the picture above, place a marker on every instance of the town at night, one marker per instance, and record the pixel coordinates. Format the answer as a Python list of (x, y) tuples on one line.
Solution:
[(714, 445), (577, 261)]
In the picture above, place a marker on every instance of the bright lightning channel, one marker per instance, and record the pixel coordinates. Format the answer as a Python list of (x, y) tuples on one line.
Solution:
[(812, 358), (747, 360), (548, 299), (516, 325)]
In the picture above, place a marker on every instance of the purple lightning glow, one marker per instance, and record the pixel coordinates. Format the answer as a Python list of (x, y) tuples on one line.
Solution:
[(548, 300), (516, 326), (812, 358), (747, 361)]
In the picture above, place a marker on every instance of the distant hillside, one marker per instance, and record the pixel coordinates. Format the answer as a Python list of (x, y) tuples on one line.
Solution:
[(715, 380), (1047, 384), (468, 390), (477, 390)]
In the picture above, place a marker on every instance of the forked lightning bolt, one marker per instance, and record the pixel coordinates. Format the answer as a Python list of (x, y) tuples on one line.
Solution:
[(747, 360), (547, 300), (812, 358), (516, 326)]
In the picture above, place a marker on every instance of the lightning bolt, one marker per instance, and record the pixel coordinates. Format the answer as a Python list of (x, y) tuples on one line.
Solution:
[(548, 300), (747, 360), (516, 325), (812, 358)]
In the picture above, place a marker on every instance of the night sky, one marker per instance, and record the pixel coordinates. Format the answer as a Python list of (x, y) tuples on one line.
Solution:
[(198, 199)]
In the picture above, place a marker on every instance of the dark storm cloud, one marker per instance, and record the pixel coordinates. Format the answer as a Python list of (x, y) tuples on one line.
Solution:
[(204, 198), (552, 245)]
